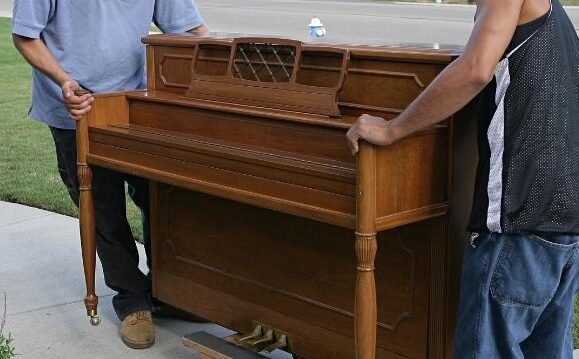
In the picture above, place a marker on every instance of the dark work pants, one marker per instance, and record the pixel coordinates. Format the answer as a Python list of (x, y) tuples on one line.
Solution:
[(115, 245)]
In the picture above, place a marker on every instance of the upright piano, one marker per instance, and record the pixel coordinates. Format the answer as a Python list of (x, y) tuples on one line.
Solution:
[(262, 220)]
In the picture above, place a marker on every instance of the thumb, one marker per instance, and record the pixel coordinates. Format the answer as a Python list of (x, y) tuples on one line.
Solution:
[(355, 148)]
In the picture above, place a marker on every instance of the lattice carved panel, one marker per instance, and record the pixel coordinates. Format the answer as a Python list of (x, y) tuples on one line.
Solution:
[(264, 62)]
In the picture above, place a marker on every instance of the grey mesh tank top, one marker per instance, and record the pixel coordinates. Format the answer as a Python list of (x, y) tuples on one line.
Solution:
[(528, 133)]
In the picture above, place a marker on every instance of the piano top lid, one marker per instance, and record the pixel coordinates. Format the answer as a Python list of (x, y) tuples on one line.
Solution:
[(368, 47)]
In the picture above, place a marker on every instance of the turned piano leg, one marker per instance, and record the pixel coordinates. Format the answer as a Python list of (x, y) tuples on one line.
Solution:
[(365, 297), (366, 247), (87, 221)]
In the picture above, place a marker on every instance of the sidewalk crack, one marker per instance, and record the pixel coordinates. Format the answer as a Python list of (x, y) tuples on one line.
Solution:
[(53, 306)]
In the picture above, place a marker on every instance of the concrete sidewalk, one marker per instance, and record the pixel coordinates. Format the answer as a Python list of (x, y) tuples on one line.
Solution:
[(41, 273)]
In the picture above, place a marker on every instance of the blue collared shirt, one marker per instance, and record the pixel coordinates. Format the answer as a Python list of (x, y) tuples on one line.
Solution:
[(98, 42)]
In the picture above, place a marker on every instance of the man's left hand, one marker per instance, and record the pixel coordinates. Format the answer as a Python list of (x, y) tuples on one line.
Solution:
[(375, 130)]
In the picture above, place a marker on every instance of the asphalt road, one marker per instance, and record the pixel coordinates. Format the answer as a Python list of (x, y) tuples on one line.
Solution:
[(5, 7), (348, 20), (351, 20)]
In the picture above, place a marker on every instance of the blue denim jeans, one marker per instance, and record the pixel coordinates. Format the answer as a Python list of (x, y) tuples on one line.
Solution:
[(516, 298)]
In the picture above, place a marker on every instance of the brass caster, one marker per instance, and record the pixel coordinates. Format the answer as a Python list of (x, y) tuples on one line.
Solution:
[(95, 320)]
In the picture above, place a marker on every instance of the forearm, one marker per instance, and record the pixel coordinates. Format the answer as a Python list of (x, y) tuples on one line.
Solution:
[(38, 56), (456, 86)]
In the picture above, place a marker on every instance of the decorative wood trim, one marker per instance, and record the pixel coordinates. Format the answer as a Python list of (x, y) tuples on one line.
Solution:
[(412, 216), (358, 106), (321, 68), (388, 326), (366, 247), (212, 59), (406, 54), (151, 74), (451, 133), (194, 60), (408, 314), (403, 75), (257, 284), (437, 312), (161, 72)]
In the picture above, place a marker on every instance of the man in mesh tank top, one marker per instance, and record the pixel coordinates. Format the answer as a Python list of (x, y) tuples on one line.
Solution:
[(520, 270)]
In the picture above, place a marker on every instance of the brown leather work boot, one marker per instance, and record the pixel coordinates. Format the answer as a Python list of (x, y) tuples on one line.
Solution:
[(137, 330)]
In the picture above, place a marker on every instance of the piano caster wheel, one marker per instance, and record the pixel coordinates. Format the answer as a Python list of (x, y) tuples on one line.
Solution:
[(95, 320)]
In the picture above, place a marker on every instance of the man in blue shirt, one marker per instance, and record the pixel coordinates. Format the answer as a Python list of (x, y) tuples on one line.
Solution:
[(95, 45)]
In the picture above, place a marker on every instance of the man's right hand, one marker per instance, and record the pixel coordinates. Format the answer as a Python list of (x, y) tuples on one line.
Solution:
[(37, 54), (77, 103)]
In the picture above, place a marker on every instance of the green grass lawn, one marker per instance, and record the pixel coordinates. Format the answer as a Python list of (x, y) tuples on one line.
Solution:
[(28, 172)]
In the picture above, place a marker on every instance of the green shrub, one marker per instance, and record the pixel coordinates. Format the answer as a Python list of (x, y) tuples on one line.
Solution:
[(6, 349)]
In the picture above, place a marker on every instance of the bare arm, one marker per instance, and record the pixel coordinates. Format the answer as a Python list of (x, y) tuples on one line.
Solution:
[(457, 85), (38, 56)]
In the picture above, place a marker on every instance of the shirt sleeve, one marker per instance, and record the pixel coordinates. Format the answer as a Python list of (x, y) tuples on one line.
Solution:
[(29, 17), (176, 16)]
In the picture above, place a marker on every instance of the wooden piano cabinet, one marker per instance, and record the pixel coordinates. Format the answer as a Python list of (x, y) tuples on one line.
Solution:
[(296, 274), (259, 213)]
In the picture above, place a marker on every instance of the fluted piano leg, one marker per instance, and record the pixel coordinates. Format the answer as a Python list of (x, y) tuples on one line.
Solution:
[(87, 221), (365, 297), (366, 247)]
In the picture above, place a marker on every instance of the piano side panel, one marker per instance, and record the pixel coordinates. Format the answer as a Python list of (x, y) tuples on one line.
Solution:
[(109, 109), (239, 256), (411, 178)]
